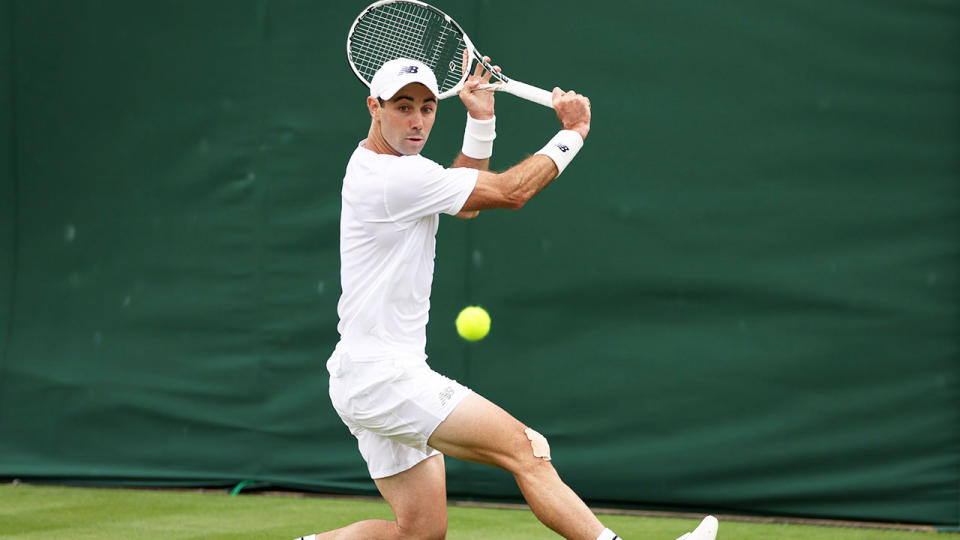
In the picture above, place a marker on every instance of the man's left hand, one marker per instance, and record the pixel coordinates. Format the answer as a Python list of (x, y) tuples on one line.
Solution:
[(479, 103)]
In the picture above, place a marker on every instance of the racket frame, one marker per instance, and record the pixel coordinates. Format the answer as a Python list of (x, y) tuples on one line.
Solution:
[(503, 84)]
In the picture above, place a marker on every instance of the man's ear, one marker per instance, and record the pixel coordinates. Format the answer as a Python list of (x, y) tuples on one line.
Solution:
[(373, 104)]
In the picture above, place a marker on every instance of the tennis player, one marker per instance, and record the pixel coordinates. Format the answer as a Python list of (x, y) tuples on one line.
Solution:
[(406, 416)]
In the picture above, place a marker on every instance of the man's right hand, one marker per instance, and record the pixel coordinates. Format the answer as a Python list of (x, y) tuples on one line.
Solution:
[(573, 110)]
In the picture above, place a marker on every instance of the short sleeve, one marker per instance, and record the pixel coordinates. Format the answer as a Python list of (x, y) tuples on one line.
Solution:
[(418, 187)]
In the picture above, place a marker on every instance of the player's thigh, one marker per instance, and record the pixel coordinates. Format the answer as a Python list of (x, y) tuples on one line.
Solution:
[(418, 496), (480, 431)]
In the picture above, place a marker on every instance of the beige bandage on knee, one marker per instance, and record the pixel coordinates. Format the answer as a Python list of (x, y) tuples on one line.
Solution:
[(541, 448)]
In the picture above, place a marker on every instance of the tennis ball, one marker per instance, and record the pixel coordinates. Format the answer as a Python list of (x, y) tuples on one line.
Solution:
[(473, 323)]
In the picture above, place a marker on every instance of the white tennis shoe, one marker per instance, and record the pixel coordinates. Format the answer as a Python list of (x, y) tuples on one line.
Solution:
[(707, 530)]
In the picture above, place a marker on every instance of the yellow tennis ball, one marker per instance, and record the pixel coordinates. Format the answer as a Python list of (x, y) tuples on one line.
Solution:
[(473, 323)]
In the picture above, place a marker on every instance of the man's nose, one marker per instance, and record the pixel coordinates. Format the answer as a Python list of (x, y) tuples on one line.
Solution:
[(416, 122)]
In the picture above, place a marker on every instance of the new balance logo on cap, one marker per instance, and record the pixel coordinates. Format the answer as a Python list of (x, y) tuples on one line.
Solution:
[(563, 147), (408, 69)]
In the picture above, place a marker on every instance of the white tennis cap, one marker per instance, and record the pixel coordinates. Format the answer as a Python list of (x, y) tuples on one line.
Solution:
[(395, 74)]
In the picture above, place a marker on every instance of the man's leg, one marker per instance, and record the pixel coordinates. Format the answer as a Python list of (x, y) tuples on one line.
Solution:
[(418, 497), (479, 431)]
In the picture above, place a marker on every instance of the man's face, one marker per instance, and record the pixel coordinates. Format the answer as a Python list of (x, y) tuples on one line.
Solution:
[(406, 119)]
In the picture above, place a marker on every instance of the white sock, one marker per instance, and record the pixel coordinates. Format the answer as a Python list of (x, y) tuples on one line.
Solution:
[(310, 537), (607, 534)]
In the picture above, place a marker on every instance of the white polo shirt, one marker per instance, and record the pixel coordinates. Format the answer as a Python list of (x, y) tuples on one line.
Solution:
[(388, 226)]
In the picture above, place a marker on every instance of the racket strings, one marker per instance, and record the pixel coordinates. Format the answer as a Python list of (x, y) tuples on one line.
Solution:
[(406, 30)]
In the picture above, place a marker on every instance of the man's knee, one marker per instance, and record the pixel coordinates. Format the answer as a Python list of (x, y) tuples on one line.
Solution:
[(438, 534), (432, 531), (531, 455), (423, 527), (538, 444)]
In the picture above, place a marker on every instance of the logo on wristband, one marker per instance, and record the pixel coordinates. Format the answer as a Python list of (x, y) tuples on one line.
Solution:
[(563, 147)]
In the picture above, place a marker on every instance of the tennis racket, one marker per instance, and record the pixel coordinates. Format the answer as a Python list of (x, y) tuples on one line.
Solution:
[(391, 29)]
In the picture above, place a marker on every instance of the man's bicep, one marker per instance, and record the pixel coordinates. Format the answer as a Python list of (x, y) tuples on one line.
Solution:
[(424, 188), (467, 214)]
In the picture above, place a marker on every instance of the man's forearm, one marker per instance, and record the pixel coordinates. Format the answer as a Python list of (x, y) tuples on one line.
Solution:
[(513, 187), (471, 163), (519, 184), (529, 177)]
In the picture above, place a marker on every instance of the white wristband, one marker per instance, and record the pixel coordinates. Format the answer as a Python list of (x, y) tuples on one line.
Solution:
[(478, 137), (562, 148)]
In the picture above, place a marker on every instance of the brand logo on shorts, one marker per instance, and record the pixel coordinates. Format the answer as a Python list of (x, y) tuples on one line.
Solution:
[(408, 69), (446, 395)]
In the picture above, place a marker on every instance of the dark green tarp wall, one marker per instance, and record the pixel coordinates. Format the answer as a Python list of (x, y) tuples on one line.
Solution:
[(741, 297), (7, 208)]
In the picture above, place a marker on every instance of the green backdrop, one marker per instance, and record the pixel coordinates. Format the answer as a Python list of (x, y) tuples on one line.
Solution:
[(741, 297)]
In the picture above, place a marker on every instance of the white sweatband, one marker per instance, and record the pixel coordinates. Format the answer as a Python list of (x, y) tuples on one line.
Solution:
[(478, 137), (562, 148)]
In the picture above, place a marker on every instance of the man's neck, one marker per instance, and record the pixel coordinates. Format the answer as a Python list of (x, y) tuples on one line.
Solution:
[(375, 143)]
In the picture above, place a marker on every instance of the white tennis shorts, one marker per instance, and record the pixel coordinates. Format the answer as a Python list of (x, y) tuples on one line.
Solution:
[(391, 406)]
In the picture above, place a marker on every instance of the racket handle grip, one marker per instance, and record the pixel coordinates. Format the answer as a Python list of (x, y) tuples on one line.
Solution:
[(530, 93), (522, 90)]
